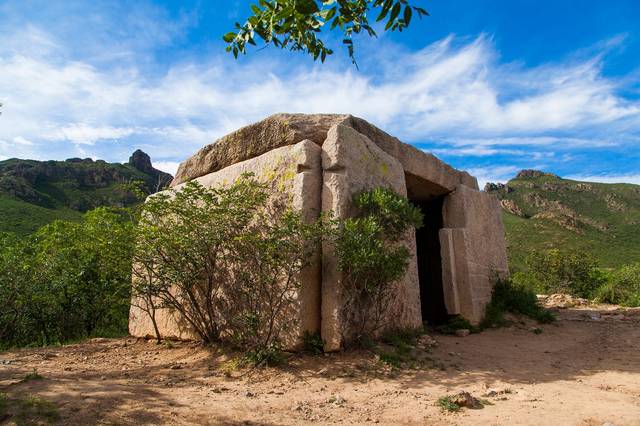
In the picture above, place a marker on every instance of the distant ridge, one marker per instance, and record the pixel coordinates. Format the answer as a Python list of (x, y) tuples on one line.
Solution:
[(33, 193), (542, 211)]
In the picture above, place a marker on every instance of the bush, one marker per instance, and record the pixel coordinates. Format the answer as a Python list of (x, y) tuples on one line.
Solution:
[(622, 287), (67, 281), (510, 297), (227, 260), (553, 271), (371, 258), (313, 342), (454, 324)]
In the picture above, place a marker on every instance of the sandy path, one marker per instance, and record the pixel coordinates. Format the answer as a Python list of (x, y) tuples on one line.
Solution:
[(577, 371)]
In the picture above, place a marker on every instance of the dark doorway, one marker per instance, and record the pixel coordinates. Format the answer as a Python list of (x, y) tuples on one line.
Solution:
[(430, 262)]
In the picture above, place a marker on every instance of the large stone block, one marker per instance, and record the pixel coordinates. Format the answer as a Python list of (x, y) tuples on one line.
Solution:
[(473, 251), (293, 172), (352, 163), (256, 139), (318, 162), (414, 161)]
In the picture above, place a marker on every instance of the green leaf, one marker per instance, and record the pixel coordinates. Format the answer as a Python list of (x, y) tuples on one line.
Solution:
[(229, 37), (384, 11), (407, 15), (328, 13), (395, 11), (307, 7)]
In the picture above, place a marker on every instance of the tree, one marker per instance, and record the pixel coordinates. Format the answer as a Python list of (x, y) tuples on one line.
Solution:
[(226, 259), (297, 25), (555, 271), (66, 281), (14, 283)]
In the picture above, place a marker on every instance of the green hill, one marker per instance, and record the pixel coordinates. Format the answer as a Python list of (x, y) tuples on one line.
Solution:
[(544, 211), (34, 193)]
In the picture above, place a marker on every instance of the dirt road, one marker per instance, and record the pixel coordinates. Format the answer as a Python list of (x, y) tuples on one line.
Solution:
[(582, 370)]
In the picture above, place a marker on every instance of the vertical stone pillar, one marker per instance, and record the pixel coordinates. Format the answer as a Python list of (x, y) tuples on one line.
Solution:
[(352, 163)]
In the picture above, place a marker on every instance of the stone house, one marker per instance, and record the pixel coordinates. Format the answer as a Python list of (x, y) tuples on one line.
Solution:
[(320, 161)]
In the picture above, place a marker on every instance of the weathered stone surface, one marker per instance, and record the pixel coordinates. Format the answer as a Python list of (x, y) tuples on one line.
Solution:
[(170, 324), (512, 207), (413, 160), (293, 172), (473, 251), (318, 162), (286, 129), (256, 139), (351, 162)]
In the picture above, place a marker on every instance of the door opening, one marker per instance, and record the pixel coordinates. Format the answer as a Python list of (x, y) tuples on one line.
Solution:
[(430, 262)]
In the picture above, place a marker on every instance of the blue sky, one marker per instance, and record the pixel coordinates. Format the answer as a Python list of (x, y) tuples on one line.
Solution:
[(488, 86)]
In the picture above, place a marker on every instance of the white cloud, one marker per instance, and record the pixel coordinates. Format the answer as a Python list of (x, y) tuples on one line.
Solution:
[(82, 133), (458, 96), (19, 140), (170, 167), (485, 151), (607, 178), (493, 174)]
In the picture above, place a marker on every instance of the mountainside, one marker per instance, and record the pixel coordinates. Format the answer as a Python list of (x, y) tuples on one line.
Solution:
[(543, 211), (34, 193)]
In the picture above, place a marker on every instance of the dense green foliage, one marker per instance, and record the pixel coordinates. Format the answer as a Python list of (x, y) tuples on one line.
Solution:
[(34, 193), (553, 271), (68, 280), (297, 25), (509, 296), (227, 259), (578, 274), (372, 259), (622, 286), (602, 220)]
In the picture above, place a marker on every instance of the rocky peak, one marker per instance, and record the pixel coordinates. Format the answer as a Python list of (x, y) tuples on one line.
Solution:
[(141, 161), (530, 173), (497, 187)]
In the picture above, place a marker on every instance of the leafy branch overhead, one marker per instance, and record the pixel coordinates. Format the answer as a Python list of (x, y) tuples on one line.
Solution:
[(298, 25)]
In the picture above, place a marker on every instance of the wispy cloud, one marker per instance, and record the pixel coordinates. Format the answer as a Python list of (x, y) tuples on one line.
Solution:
[(453, 93), (606, 178), (493, 174), (170, 167)]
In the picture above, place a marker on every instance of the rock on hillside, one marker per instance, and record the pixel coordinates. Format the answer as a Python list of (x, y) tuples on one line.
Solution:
[(541, 211), (142, 162)]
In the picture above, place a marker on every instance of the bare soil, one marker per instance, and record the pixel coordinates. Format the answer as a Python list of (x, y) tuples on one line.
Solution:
[(582, 370)]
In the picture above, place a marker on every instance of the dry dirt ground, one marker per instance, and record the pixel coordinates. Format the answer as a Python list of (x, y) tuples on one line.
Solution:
[(582, 370)]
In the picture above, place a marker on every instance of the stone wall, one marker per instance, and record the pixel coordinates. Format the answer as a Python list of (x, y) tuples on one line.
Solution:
[(351, 162), (473, 251), (319, 162), (293, 172)]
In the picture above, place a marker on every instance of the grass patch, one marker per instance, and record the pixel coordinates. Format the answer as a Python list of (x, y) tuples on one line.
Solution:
[(402, 345), (454, 403), (392, 359), (312, 343), (231, 366), (3, 405), (508, 297), (267, 356), (27, 411), (32, 376), (447, 404), (34, 408), (454, 324)]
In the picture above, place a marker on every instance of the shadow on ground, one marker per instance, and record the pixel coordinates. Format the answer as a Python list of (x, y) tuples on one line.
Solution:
[(125, 381)]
